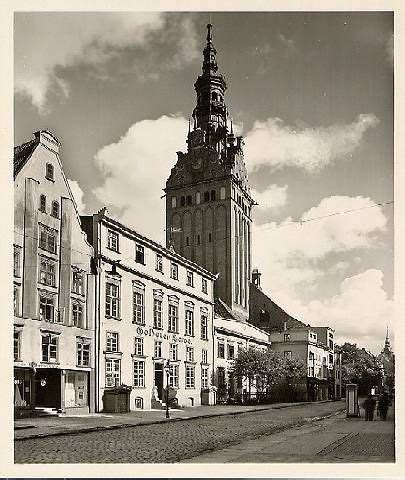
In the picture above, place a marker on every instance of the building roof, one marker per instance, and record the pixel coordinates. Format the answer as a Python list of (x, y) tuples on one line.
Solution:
[(267, 314), (22, 153)]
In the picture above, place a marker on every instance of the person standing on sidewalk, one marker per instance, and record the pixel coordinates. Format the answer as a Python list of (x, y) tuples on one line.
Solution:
[(383, 404), (369, 406)]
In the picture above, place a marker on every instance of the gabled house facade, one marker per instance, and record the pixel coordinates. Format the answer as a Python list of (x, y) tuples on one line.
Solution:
[(54, 354)]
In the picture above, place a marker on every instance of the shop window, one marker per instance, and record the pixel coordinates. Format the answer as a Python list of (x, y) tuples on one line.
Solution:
[(174, 271), (112, 372), (189, 323), (204, 327), (189, 354), (173, 318), (190, 278), (173, 352), (17, 345), (190, 376), (174, 202), (42, 203), (204, 355), (159, 263), (77, 314), (139, 307), (49, 348), (112, 300), (49, 172), (138, 346), (17, 262), (112, 342), (46, 308), (139, 373), (78, 282), (204, 377), (157, 313), (113, 240), (55, 209), (221, 349), (83, 352), (158, 349), (47, 238), (204, 285), (47, 272), (174, 376)]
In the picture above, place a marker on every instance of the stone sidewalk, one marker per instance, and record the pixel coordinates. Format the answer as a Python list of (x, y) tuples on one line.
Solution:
[(65, 424), (336, 439)]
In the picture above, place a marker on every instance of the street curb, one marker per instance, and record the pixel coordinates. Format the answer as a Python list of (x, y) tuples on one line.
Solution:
[(169, 420)]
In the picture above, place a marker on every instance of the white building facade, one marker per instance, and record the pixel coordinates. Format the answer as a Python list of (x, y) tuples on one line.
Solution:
[(54, 354), (154, 312)]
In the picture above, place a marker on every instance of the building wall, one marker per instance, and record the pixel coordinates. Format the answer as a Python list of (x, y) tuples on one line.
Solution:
[(72, 250), (143, 277)]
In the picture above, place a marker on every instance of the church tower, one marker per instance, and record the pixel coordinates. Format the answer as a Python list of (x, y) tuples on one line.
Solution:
[(208, 202)]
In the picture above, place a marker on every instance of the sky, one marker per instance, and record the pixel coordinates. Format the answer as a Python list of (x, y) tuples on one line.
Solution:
[(312, 94)]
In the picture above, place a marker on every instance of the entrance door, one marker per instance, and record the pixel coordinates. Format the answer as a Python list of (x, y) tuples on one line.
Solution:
[(48, 388), (159, 379)]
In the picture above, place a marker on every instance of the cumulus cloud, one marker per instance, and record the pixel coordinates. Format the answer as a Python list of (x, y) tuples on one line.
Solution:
[(77, 195), (136, 169), (359, 312), (294, 266), (44, 42), (274, 144), (273, 197)]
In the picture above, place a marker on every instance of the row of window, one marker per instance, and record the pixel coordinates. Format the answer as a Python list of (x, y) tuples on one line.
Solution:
[(50, 349), (113, 374), (230, 350), (113, 346), (49, 313), (208, 195), (113, 244), (43, 206), (112, 309)]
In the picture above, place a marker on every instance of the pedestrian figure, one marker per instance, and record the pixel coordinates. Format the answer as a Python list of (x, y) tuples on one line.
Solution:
[(383, 404), (369, 406)]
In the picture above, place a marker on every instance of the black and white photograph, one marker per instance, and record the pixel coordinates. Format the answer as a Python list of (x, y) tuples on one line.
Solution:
[(203, 237)]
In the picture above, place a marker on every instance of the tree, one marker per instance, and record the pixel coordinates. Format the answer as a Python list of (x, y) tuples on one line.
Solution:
[(361, 367)]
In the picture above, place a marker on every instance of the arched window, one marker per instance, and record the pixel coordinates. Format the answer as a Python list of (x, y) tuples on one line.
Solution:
[(42, 203), (55, 209), (49, 171), (222, 193)]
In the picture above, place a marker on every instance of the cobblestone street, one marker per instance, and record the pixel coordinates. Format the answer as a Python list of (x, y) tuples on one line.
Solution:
[(166, 442)]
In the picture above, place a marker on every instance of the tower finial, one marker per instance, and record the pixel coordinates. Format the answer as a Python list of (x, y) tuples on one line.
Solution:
[(209, 33)]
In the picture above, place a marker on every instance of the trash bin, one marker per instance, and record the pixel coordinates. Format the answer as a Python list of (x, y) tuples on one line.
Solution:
[(117, 400)]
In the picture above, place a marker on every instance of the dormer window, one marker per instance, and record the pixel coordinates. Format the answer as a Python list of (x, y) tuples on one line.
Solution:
[(55, 209), (49, 172), (42, 203)]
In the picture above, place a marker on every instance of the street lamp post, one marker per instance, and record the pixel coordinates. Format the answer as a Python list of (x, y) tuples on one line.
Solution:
[(167, 370)]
